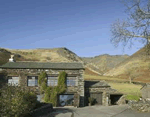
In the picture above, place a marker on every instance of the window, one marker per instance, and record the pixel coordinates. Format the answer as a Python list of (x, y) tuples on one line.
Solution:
[(13, 80), (52, 81), (71, 81), (32, 80)]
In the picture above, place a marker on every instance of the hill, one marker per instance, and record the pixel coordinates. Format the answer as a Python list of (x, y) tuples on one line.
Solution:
[(104, 63), (137, 66)]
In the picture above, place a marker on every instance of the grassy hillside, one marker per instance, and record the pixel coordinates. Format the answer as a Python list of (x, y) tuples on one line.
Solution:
[(49, 55), (138, 64)]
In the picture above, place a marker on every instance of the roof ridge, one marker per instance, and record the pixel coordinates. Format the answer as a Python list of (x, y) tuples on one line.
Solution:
[(44, 62), (62, 65)]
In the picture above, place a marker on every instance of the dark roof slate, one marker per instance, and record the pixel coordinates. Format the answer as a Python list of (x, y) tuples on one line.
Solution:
[(96, 84), (44, 65)]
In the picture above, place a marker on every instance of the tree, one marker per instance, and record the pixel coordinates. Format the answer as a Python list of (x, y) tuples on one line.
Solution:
[(132, 74), (135, 27)]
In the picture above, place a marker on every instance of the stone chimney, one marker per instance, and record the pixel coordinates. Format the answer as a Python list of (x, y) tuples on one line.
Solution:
[(12, 59)]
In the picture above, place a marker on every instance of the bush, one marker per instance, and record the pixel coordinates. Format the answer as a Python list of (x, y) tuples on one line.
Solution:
[(16, 101)]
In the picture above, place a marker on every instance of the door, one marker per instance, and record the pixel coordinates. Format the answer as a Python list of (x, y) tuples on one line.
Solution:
[(97, 98)]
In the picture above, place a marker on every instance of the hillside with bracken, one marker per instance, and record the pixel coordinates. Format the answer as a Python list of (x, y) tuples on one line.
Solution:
[(136, 67), (103, 63)]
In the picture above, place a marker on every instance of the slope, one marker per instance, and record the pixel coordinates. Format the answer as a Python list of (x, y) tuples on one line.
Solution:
[(137, 66), (103, 63)]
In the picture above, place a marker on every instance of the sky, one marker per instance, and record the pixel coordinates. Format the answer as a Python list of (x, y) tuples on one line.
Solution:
[(82, 26)]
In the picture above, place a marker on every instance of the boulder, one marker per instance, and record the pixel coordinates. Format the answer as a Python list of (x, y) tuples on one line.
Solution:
[(122, 100)]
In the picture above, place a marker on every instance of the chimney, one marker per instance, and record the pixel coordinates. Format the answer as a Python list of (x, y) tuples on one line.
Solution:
[(12, 59)]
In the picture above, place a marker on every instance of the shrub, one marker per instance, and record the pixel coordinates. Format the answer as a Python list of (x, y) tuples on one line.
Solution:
[(61, 88), (50, 93), (16, 101), (42, 81)]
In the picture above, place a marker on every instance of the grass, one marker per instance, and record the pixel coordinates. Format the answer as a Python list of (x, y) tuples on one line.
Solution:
[(132, 97), (92, 77), (131, 91), (126, 88)]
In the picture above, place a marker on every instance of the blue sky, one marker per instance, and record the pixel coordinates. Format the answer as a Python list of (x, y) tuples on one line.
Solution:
[(83, 26)]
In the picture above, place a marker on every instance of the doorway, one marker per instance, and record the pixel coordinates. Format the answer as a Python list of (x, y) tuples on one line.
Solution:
[(114, 98)]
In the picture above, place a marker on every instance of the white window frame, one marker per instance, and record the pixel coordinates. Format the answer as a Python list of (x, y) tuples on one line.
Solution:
[(12, 79)]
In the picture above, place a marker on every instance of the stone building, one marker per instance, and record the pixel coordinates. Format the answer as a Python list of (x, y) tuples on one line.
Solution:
[(101, 92), (145, 91), (78, 91)]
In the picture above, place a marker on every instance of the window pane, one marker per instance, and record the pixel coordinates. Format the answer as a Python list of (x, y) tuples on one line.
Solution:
[(52, 81), (71, 81), (14, 81), (32, 81)]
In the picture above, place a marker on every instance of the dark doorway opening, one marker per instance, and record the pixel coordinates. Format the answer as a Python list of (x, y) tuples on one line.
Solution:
[(114, 98), (66, 100), (96, 97)]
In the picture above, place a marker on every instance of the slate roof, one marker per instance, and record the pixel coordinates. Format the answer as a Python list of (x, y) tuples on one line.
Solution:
[(96, 84), (43, 65)]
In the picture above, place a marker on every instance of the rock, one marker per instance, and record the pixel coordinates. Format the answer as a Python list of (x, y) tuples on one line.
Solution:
[(142, 106), (122, 100)]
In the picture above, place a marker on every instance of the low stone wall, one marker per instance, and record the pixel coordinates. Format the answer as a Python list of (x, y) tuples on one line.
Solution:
[(141, 106)]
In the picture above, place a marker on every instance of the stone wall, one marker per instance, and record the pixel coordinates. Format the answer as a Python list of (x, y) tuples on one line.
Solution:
[(23, 73)]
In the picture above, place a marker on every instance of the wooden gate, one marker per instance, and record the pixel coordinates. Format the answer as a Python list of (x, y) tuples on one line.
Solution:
[(97, 98)]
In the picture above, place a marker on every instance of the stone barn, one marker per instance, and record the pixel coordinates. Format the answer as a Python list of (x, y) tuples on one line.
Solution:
[(101, 92)]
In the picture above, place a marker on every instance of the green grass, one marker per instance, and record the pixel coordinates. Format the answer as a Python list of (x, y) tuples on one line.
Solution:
[(127, 88), (92, 77), (131, 91), (132, 97)]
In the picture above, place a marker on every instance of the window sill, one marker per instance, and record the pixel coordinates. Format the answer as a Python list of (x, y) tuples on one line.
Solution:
[(32, 86), (72, 86)]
